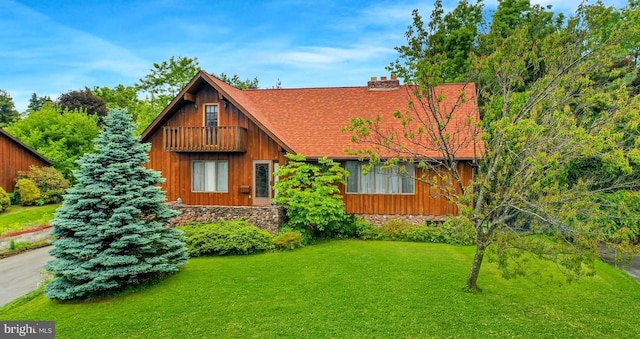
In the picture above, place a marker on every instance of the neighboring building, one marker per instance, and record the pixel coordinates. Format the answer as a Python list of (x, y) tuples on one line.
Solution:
[(219, 145), (16, 156)]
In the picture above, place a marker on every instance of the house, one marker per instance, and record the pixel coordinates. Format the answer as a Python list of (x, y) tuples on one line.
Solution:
[(16, 156), (218, 145)]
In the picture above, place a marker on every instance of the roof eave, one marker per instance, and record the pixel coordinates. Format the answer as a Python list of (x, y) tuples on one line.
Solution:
[(34, 152)]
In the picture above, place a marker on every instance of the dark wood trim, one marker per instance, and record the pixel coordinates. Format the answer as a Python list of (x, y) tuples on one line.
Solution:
[(189, 97)]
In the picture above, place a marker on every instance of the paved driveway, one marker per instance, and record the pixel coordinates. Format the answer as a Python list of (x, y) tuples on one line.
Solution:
[(21, 273), (634, 268)]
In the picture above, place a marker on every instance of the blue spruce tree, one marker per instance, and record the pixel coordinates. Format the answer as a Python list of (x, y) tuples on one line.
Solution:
[(110, 231)]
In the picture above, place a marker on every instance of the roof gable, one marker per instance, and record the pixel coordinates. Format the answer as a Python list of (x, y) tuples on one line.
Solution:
[(234, 95), (25, 147)]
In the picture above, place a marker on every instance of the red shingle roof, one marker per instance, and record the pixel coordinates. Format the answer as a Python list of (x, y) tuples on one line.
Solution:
[(308, 121)]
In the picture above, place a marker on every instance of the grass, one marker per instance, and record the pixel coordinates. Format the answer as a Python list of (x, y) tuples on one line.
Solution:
[(348, 289), (21, 218)]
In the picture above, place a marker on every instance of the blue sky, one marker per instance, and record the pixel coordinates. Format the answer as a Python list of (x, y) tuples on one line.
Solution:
[(50, 47)]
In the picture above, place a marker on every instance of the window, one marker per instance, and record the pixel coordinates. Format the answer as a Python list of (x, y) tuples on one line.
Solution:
[(380, 181), (211, 115), (211, 121), (210, 176)]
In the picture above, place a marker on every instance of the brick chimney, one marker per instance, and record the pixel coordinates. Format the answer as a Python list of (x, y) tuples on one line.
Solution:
[(383, 84)]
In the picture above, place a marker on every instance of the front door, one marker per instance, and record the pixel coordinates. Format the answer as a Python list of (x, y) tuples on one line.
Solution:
[(262, 170)]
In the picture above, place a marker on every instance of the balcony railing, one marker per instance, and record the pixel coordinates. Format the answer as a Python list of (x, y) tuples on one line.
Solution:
[(205, 139)]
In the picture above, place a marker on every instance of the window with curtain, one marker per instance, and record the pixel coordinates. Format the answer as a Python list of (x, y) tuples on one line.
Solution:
[(210, 176), (380, 181)]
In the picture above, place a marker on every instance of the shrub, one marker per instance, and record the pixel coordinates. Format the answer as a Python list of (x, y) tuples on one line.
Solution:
[(5, 201), (311, 196), (28, 191), (395, 228), (288, 240), (51, 182), (459, 230), (366, 230), (226, 237), (425, 233), (14, 198), (346, 229)]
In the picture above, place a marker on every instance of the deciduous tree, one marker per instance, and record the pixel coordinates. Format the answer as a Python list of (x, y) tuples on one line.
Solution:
[(127, 97), (61, 136), (543, 111), (83, 100), (167, 79)]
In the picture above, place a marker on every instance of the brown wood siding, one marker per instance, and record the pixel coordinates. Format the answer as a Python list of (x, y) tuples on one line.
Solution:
[(13, 158), (176, 167), (424, 202)]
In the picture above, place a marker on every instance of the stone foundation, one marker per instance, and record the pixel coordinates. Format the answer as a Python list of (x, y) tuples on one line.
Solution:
[(380, 219), (265, 217)]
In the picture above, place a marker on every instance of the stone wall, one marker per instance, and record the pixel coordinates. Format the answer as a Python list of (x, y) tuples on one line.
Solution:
[(380, 219), (266, 217)]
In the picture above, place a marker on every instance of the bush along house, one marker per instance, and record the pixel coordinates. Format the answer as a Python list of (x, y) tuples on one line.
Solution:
[(217, 146)]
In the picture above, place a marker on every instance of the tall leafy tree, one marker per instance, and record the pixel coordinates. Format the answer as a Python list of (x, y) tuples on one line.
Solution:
[(446, 41), (8, 112), (166, 79), (62, 136), (120, 96), (545, 109), (83, 100), (110, 231), (127, 97)]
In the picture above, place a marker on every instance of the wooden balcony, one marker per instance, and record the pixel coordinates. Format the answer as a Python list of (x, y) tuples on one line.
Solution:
[(205, 139)]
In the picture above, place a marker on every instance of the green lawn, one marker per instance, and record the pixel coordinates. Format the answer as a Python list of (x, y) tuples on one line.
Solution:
[(350, 289), (20, 218)]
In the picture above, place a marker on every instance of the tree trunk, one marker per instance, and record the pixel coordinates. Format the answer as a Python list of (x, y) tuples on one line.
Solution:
[(472, 280)]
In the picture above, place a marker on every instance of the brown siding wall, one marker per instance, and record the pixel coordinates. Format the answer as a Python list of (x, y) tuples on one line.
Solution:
[(13, 158), (424, 202), (176, 167)]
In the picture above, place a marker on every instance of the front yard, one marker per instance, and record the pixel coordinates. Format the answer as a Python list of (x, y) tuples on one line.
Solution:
[(21, 218), (349, 289)]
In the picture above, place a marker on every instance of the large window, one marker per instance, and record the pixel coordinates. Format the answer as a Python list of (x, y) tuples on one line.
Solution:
[(210, 176), (380, 181)]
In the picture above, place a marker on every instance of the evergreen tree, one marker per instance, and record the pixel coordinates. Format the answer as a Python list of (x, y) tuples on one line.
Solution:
[(36, 102), (110, 229), (8, 113)]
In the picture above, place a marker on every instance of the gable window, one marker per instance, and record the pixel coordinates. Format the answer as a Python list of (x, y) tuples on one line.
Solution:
[(380, 181), (211, 115), (210, 176)]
